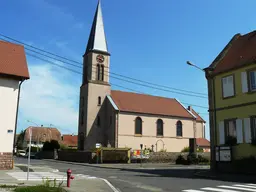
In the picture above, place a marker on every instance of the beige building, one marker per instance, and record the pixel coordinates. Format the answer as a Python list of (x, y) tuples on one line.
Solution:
[(13, 71), (126, 119)]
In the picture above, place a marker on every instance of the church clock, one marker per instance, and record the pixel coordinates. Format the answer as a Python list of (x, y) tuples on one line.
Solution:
[(100, 58)]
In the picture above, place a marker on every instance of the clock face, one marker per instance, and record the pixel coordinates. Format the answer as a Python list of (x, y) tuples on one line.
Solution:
[(100, 58)]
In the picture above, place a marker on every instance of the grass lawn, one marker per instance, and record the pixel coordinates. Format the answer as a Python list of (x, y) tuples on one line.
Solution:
[(39, 189)]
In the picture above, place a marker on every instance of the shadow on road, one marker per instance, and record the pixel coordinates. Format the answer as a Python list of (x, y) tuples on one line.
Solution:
[(193, 174)]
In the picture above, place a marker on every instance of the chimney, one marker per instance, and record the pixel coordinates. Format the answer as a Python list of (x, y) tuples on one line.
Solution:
[(190, 108)]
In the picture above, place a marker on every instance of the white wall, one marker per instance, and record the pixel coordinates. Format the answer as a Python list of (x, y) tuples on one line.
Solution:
[(8, 105)]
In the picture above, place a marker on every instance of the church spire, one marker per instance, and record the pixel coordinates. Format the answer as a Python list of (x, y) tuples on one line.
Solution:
[(97, 40)]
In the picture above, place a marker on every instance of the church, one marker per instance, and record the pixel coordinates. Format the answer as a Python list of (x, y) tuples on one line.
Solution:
[(126, 119)]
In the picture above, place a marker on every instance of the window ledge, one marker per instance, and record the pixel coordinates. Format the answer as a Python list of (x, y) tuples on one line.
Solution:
[(179, 137), (229, 97), (138, 135), (159, 136)]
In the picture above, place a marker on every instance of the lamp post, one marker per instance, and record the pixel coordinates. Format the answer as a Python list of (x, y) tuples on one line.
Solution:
[(212, 112), (37, 135)]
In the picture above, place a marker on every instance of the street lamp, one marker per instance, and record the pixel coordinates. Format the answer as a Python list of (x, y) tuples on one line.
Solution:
[(191, 64), (212, 116)]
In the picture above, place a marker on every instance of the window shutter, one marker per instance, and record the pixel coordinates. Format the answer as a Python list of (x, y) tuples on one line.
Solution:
[(221, 133), (244, 82), (230, 86), (247, 130), (224, 86), (239, 131)]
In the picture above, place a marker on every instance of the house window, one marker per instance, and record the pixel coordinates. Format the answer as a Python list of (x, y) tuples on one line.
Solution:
[(179, 129), (159, 127), (98, 72), (228, 86), (138, 126), (230, 131), (99, 100), (98, 121), (252, 80), (253, 128)]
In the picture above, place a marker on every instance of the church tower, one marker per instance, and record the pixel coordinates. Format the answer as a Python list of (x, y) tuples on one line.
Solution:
[(95, 86)]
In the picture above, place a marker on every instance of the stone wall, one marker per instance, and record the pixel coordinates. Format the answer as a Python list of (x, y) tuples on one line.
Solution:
[(170, 157), (6, 161), (75, 156)]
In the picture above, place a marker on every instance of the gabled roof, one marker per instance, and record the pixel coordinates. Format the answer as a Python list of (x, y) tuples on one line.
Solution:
[(202, 142), (43, 134), (13, 60), (148, 104), (70, 140), (97, 40), (198, 117), (238, 52)]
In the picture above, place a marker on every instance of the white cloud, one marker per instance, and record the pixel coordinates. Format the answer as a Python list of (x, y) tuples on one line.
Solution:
[(51, 96)]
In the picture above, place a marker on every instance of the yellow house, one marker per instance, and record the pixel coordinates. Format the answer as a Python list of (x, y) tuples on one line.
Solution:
[(232, 101)]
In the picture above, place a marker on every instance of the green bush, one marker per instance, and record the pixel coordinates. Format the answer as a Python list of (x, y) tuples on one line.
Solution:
[(50, 146), (185, 149), (115, 156), (192, 159), (181, 160)]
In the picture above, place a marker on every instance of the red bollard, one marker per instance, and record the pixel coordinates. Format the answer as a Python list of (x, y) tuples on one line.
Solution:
[(69, 177)]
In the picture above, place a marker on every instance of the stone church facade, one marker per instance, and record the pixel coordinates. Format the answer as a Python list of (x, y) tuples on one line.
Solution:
[(126, 119)]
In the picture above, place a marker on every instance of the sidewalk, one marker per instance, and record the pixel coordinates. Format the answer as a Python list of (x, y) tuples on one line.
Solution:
[(81, 183), (132, 166), (225, 176)]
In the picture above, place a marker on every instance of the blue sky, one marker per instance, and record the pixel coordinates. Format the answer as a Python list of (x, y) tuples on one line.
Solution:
[(149, 40)]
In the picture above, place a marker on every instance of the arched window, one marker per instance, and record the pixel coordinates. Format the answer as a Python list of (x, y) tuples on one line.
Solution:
[(99, 100), (102, 72), (138, 126), (159, 127), (179, 129), (98, 72), (98, 120)]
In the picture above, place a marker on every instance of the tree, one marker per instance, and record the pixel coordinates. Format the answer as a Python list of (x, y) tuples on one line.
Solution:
[(50, 146), (20, 140)]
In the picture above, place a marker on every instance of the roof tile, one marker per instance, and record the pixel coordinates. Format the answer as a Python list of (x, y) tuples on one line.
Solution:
[(241, 52), (13, 60), (142, 103)]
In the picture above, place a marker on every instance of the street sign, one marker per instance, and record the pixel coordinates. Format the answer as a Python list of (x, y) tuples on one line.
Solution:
[(98, 145)]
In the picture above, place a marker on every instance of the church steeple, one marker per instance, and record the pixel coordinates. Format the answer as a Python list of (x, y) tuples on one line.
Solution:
[(97, 40)]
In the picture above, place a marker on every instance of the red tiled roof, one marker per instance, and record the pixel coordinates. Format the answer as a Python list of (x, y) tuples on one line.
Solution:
[(70, 140), (202, 142), (43, 134), (13, 60), (239, 51), (142, 103), (198, 117)]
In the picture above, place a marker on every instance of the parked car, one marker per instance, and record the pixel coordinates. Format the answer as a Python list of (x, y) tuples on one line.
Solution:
[(21, 153)]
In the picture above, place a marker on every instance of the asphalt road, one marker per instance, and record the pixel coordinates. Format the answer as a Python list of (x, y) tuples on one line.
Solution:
[(139, 180)]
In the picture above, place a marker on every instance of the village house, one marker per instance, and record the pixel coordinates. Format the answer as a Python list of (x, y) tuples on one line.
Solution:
[(69, 141), (232, 102), (40, 135), (125, 119), (13, 72)]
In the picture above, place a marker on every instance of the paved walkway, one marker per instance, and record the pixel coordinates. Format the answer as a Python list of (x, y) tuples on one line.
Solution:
[(81, 183)]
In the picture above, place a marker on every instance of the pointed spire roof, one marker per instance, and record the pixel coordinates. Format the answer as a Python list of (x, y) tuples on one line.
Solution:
[(97, 40)]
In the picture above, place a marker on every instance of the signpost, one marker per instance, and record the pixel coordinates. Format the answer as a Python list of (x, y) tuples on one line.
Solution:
[(141, 146), (29, 150), (98, 145)]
